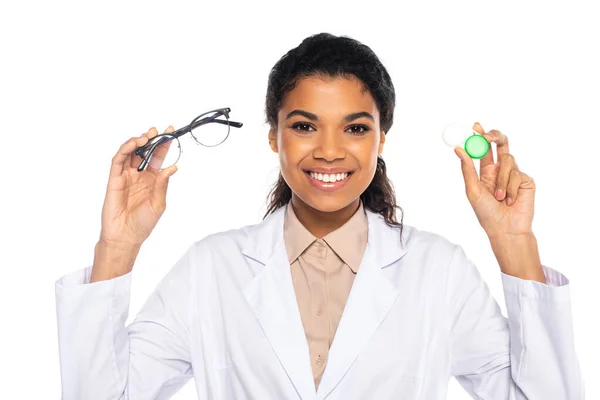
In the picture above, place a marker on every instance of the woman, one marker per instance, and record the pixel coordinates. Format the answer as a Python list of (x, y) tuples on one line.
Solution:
[(329, 296)]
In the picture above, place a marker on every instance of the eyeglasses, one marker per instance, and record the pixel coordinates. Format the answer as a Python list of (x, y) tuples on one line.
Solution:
[(208, 129)]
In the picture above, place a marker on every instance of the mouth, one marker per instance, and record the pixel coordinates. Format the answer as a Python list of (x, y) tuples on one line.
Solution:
[(328, 181)]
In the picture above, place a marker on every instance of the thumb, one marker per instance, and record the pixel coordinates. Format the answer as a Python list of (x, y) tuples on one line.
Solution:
[(159, 192), (469, 172)]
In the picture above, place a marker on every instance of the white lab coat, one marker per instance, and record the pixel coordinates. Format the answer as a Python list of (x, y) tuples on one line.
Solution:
[(226, 315)]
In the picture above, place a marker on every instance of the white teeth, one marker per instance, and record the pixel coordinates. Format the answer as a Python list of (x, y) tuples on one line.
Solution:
[(328, 177)]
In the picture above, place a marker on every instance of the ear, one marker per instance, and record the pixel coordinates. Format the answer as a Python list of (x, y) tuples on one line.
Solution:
[(381, 143), (273, 140)]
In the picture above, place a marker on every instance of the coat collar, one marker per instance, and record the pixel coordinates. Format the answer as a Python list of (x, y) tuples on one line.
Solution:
[(264, 238), (271, 297)]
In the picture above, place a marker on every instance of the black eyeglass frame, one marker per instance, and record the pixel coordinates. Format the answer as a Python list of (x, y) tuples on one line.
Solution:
[(146, 151)]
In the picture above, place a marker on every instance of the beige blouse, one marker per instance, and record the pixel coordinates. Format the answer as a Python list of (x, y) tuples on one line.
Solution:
[(323, 270)]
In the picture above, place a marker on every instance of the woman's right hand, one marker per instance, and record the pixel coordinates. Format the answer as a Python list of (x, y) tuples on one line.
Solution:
[(134, 200)]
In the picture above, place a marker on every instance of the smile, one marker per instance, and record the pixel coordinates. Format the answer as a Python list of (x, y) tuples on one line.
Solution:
[(328, 182)]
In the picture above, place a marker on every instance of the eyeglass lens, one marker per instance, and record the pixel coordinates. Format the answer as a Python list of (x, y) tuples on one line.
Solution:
[(213, 132), (166, 153)]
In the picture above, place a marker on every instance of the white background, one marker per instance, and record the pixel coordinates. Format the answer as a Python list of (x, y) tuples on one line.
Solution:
[(79, 78)]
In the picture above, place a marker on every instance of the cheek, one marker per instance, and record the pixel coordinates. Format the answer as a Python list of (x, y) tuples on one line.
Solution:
[(292, 151), (366, 154), (290, 155)]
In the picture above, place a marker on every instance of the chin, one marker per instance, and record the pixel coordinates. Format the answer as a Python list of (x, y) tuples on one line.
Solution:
[(327, 203)]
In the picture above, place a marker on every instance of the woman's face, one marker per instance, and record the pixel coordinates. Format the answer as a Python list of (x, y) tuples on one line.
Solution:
[(328, 139)]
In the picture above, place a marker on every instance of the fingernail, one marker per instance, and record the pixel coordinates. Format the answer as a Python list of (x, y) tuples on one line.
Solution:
[(499, 193), (509, 201)]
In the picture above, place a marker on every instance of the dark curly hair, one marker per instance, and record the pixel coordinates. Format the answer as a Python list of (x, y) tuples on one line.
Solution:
[(332, 56)]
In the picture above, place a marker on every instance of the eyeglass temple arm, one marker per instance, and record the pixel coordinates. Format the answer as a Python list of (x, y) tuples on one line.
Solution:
[(142, 165), (231, 123), (219, 121)]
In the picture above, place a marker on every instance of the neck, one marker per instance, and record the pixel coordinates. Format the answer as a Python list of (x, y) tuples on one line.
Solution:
[(320, 223)]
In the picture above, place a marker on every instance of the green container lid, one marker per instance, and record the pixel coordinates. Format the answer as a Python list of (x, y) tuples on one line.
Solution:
[(477, 146)]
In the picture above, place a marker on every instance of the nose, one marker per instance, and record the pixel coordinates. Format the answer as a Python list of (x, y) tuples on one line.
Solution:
[(330, 145)]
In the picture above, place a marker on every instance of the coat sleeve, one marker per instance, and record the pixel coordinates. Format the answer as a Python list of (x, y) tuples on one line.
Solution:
[(529, 355), (101, 358)]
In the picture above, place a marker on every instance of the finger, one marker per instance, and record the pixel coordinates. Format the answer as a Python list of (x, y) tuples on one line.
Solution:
[(501, 141), (123, 155), (159, 154), (507, 164), (469, 172), (159, 192), (488, 159), (152, 133), (143, 140), (514, 181), (526, 181)]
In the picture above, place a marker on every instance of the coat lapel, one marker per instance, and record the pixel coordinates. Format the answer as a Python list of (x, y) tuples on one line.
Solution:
[(272, 297), (370, 300)]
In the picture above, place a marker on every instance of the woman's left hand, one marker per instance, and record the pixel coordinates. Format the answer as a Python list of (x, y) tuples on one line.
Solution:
[(502, 196)]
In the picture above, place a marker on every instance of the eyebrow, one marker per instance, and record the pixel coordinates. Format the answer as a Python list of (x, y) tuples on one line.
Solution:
[(303, 113), (313, 117), (352, 117)]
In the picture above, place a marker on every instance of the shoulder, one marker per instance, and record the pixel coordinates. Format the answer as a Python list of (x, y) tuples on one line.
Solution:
[(255, 240), (441, 262), (226, 240), (429, 246), (220, 259), (420, 239), (411, 238)]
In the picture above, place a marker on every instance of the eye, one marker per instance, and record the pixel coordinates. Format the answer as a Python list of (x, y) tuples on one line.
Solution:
[(302, 126), (358, 129)]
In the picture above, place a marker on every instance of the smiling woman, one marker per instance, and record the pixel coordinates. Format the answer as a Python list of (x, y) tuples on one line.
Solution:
[(329, 296)]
